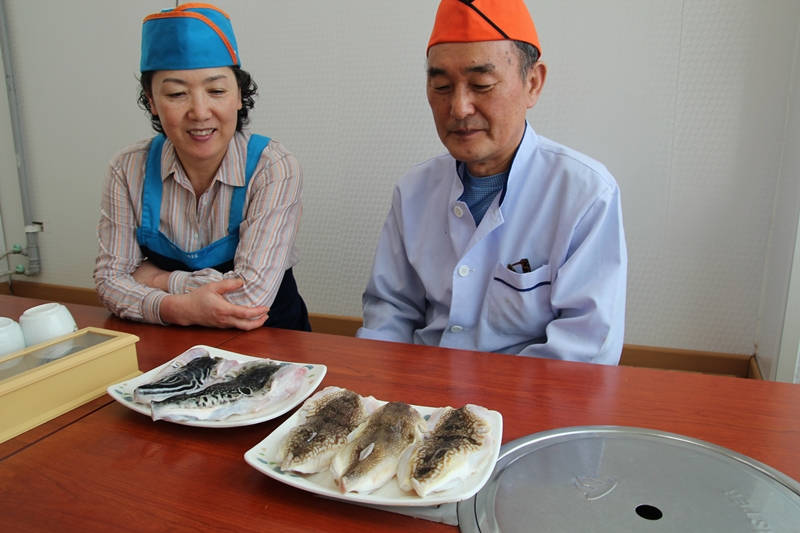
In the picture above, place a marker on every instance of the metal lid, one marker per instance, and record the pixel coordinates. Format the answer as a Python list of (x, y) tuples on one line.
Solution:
[(618, 479)]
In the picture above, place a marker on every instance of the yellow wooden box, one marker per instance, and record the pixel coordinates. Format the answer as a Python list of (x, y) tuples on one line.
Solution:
[(44, 381)]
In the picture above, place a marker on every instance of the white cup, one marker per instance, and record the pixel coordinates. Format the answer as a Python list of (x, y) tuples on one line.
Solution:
[(11, 338), (45, 322)]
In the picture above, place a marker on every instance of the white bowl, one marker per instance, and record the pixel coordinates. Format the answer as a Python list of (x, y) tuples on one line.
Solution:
[(45, 322), (11, 340)]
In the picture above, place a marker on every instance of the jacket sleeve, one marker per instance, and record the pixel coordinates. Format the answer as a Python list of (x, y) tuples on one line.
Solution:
[(394, 301), (589, 289)]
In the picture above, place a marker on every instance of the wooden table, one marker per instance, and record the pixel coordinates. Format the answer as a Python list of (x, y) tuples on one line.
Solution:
[(116, 470)]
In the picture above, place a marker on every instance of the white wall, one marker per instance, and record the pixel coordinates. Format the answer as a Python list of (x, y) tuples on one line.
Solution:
[(686, 102)]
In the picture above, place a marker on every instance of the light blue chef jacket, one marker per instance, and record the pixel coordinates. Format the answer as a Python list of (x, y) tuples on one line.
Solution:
[(438, 280)]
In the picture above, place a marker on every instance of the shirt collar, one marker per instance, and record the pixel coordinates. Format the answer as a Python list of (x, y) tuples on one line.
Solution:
[(231, 171), (524, 150)]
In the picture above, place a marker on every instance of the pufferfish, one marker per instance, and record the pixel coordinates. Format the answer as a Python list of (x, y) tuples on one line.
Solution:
[(369, 460), (458, 444), (324, 422)]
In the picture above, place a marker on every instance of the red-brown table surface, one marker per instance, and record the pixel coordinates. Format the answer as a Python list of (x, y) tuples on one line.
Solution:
[(116, 470)]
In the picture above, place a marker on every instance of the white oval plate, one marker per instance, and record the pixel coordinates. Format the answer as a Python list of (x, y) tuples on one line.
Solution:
[(123, 393), (262, 458)]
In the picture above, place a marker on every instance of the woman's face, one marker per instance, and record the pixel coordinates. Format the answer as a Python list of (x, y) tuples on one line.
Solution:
[(198, 111)]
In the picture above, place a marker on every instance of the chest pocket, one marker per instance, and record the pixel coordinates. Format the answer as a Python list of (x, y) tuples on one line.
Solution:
[(519, 304)]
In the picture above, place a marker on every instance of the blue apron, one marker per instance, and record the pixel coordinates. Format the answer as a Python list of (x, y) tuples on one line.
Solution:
[(288, 311)]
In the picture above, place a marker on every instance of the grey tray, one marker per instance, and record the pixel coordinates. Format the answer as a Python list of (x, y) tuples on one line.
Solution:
[(620, 479)]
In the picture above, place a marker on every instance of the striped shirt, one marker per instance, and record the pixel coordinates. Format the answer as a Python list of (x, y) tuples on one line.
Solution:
[(267, 234)]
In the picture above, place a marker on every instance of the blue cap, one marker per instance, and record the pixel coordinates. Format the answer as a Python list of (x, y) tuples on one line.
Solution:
[(187, 37)]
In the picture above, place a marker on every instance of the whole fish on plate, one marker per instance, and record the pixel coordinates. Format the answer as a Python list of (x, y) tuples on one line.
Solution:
[(369, 460), (457, 445), (189, 372), (324, 422), (247, 388)]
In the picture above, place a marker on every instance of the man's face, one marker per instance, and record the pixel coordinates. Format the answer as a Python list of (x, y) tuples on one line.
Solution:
[(479, 100)]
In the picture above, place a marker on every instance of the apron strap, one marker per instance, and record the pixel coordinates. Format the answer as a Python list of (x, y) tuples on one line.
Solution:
[(153, 186), (255, 146)]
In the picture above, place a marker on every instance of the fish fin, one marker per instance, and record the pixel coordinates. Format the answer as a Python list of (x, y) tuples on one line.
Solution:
[(353, 435), (366, 451), (371, 404)]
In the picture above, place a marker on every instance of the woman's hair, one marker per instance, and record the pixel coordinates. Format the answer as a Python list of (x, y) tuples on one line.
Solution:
[(247, 86)]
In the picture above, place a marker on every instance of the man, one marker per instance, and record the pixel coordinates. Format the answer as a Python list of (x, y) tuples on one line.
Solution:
[(509, 243)]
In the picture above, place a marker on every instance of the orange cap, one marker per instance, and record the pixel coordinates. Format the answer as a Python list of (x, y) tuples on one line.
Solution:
[(469, 21)]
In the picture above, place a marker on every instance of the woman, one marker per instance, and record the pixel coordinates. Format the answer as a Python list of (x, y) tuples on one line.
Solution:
[(198, 224)]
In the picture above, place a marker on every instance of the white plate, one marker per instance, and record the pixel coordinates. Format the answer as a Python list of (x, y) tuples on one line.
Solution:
[(262, 458), (123, 393)]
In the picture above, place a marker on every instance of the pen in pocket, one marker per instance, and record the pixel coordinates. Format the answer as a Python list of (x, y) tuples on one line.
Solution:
[(522, 266)]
